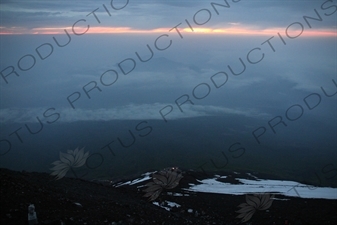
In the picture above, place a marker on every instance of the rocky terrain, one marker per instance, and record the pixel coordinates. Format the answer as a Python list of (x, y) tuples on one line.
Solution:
[(75, 201)]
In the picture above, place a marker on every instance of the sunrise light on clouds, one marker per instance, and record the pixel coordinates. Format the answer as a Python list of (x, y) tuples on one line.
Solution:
[(237, 30)]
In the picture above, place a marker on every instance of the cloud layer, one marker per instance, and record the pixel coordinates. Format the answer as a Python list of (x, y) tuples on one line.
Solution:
[(127, 112)]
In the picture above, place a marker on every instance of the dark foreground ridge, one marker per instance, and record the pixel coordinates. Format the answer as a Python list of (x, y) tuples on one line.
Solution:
[(74, 201)]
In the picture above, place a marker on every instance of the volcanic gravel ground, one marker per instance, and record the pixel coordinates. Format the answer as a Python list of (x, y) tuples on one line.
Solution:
[(74, 201)]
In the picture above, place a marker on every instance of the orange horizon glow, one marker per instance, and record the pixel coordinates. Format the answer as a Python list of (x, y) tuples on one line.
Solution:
[(129, 30)]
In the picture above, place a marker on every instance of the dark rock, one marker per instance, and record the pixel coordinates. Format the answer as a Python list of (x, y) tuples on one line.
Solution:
[(104, 204)]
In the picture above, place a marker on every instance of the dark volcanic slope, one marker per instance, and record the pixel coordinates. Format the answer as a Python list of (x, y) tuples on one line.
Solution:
[(103, 204)]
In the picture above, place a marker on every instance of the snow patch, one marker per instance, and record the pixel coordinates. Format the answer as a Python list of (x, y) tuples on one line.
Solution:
[(167, 205), (146, 176), (287, 188)]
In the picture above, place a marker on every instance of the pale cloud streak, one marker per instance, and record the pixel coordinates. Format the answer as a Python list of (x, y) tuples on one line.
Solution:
[(233, 30), (126, 112)]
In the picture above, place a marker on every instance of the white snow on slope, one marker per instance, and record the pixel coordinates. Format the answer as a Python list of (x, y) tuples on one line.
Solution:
[(282, 187), (146, 176), (287, 188), (167, 205)]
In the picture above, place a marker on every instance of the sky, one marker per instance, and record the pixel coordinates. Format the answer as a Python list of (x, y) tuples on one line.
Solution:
[(96, 75), (43, 17)]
